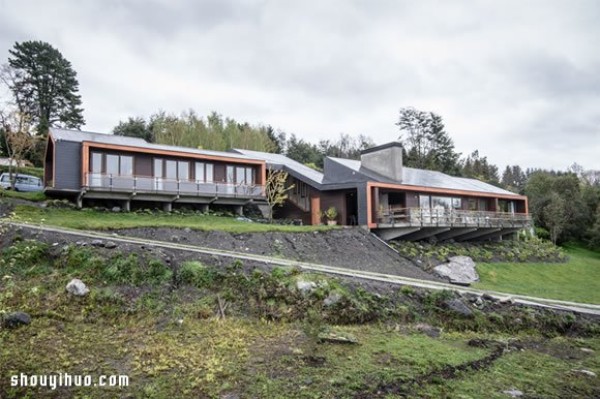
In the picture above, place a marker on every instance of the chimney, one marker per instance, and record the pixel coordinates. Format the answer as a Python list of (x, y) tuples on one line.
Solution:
[(385, 160)]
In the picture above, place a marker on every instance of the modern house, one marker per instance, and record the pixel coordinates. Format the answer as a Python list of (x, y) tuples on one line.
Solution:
[(395, 201), (124, 170), (376, 192)]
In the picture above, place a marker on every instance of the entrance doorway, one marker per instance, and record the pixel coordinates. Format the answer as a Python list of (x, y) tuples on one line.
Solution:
[(351, 209)]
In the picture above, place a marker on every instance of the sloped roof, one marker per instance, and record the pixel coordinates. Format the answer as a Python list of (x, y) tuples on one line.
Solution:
[(278, 160), (81, 136), (425, 178)]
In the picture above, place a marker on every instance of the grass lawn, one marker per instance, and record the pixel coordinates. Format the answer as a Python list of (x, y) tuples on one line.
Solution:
[(95, 220), (29, 196), (577, 280)]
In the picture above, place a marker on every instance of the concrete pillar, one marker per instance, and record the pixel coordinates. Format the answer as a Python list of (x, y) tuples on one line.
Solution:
[(239, 210), (127, 206), (167, 206), (315, 210), (204, 208)]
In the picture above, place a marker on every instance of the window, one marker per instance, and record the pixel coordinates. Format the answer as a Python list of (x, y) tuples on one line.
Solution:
[(209, 172), (199, 172), (240, 175), (96, 162), (126, 166), (249, 176), (441, 202), (424, 201), (171, 169), (229, 174), (457, 203), (158, 167), (112, 164), (472, 204), (183, 170), (483, 205)]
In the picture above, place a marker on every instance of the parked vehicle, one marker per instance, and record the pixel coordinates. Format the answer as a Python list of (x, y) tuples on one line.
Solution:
[(22, 182)]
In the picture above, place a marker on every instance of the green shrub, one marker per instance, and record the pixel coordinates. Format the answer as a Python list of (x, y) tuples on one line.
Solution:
[(196, 274), (27, 257)]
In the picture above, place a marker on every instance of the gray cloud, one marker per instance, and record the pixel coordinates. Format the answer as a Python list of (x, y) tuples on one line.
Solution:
[(516, 80)]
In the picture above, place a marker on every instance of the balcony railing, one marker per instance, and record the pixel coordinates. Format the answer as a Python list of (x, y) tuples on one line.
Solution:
[(157, 185), (426, 217)]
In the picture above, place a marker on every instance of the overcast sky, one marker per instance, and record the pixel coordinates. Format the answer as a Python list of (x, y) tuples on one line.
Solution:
[(517, 80)]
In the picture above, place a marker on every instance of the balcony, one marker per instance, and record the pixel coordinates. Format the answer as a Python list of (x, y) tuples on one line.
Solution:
[(159, 186), (424, 217)]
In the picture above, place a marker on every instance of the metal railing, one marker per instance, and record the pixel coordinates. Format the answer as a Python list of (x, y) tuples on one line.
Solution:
[(451, 218), (157, 185)]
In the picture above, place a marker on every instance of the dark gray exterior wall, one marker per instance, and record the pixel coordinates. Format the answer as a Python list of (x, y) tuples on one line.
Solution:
[(336, 173), (361, 198), (68, 165)]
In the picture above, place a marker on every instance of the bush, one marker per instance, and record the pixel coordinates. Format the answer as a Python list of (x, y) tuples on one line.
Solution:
[(196, 274)]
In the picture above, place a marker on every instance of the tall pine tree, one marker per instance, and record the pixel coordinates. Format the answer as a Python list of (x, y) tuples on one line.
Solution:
[(45, 86)]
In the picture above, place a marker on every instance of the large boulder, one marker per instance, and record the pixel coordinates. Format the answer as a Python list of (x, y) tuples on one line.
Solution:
[(459, 270)]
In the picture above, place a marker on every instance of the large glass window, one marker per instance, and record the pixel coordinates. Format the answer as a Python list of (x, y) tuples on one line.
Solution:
[(199, 172), (209, 172), (229, 174), (240, 175), (171, 170), (184, 170), (424, 201), (441, 202), (249, 176), (126, 166), (112, 165), (158, 167), (96, 162)]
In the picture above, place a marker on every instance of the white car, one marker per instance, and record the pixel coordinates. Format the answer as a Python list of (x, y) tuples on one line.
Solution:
[(22, 182)]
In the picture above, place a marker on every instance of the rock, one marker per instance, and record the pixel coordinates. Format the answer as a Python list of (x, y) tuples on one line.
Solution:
[(306, 287), (587, 350), (459, 270), (81, 243), (584, 372), (175, 238), (478, 302), (507, 301), (116, 209), (430, 331), (459, 307), (97, 243), (187, 230), (110, 245), (332, 299), (16, 319), (77, 287), (488, 297), (513, 393), (337, 338)]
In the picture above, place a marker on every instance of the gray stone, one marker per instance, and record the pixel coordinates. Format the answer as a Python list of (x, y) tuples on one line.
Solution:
[(187, 230), (332, 299), (507, 301), (587, 373), (430, 331), (110, 245), (16, 319), (513, 393), (97, 243), (306, 287), (459, 307), (116, 209), (77, 287), (587, 350), (459, 270), (338, 338), (478, 302), (175, 238)]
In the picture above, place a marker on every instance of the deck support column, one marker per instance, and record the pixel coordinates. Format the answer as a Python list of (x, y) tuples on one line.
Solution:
[(204, 208), (239, 210), (127, 206), (167, 207)]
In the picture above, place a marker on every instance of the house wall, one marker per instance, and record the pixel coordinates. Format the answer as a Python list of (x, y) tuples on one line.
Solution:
[(67, 165)]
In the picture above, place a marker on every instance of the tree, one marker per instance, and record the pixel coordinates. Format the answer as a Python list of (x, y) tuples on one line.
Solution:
[(514, 179), (477, 167), (555, 216), (135, 127), (276, 190), (303, 151), (45, 86), (426, 143), (18, 141)]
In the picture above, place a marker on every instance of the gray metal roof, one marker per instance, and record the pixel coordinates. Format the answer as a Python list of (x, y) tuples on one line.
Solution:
[(81, 136), (278, 160), (425, 178)]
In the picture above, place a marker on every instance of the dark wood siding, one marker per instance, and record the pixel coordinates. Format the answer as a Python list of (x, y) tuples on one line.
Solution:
[(142, 165), (68, 165)]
